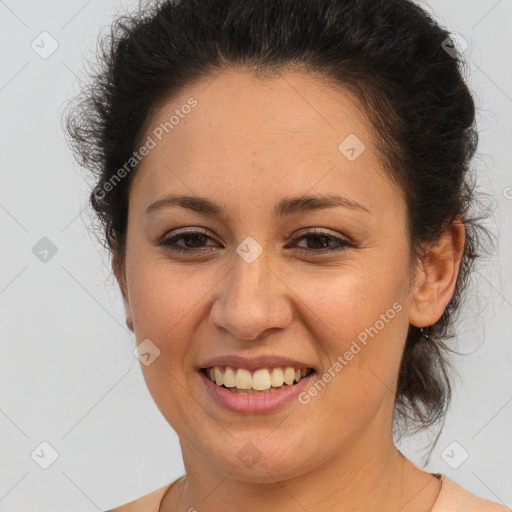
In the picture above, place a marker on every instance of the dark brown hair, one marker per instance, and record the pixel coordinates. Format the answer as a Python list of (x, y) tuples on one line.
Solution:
[(390, 53)]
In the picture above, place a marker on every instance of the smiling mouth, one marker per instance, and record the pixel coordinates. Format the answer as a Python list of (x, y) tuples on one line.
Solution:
[(252, 382)]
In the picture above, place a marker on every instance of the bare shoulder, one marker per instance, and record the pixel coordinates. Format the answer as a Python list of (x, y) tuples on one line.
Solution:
[(148, 503), (454, 497)]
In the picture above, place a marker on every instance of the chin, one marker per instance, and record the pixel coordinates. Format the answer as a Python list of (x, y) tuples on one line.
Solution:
[(261, 458)]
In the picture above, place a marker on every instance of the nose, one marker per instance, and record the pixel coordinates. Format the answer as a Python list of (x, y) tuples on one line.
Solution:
[(253, 301)]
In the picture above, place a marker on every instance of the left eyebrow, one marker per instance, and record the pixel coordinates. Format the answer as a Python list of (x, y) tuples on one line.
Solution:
[(286, 207)]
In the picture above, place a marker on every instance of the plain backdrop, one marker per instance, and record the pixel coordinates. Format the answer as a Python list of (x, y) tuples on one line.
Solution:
[(70, 386)]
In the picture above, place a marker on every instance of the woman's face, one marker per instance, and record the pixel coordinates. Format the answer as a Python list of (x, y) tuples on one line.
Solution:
[(251, 284)]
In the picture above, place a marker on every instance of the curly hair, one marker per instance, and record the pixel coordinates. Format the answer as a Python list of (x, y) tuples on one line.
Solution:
[(390, 53)]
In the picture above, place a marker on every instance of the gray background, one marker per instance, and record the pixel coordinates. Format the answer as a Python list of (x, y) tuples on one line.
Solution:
[(68, 376)]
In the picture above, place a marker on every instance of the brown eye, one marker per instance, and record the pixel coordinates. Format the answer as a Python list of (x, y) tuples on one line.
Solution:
[(317, 242), (321, 243), (193, 241)]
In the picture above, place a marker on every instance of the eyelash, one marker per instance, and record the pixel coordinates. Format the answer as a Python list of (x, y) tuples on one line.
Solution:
[(343, 244)]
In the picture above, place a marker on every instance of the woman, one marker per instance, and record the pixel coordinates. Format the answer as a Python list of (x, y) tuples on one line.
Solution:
[(285, 191)]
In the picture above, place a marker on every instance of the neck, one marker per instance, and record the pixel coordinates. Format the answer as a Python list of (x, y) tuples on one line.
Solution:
[(364, 477)]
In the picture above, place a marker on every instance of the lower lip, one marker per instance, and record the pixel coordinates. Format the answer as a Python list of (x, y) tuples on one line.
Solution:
[(254, 404)]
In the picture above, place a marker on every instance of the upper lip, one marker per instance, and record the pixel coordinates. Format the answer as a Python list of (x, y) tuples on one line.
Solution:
[(254, 363)]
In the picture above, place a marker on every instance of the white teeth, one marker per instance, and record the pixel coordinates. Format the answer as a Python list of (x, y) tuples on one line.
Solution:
[(261, 380), (289, 375), (277, 378), (218, 376), (229, 377), (264, 379), (243, 379)]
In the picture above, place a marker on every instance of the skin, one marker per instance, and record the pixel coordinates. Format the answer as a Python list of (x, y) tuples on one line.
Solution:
[(250, 142)]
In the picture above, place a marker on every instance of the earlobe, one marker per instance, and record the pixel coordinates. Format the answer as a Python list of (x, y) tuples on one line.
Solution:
[(435, 281), (129, 319), (127, 308), (121, 281)]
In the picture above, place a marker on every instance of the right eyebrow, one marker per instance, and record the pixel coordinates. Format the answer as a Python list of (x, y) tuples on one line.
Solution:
[(286, 207)]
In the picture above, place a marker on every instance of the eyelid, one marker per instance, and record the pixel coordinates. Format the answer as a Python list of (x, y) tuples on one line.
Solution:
[(342, 241), (312, 230), (335, 235), (169, 241), (188, 230), (316, 231)]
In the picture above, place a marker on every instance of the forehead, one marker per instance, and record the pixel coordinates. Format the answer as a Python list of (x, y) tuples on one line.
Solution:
[(234, 134)]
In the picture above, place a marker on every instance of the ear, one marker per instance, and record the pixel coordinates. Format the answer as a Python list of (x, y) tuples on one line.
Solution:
[(436, 278), (120, 274)]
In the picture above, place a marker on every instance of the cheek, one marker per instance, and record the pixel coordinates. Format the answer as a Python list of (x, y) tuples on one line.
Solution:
[(157, 303), (165, 299), (359, 323), (350, 305), (339, 307), (167, 306)]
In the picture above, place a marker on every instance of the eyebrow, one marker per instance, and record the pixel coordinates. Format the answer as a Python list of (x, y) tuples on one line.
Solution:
[(286, 207)]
